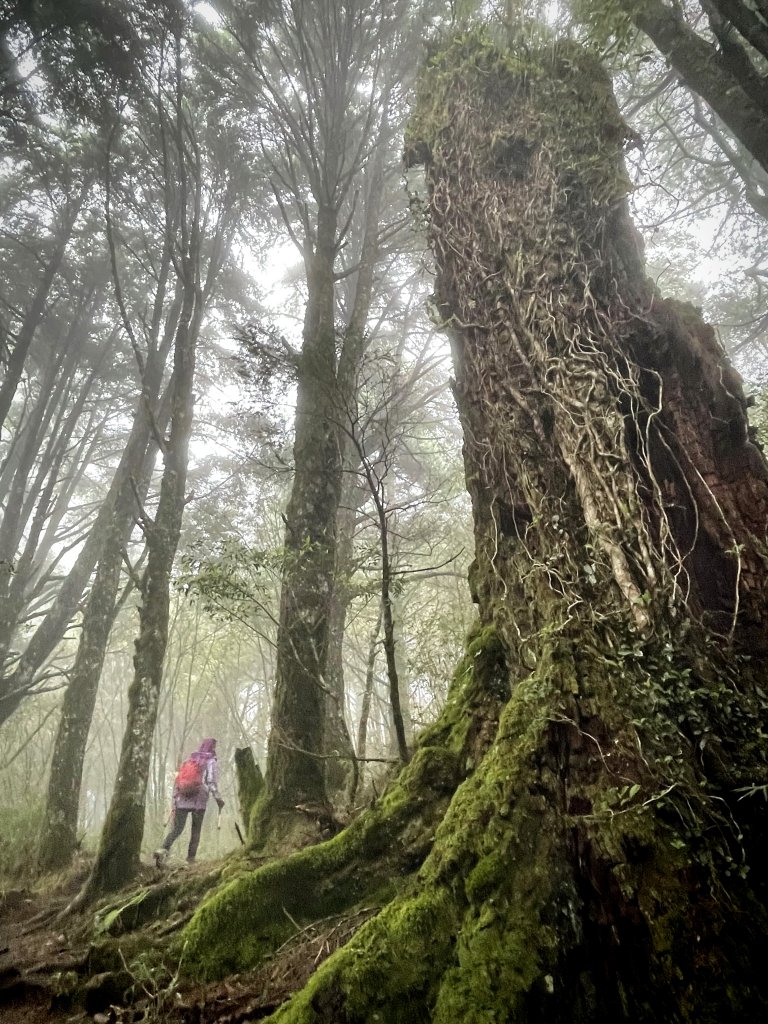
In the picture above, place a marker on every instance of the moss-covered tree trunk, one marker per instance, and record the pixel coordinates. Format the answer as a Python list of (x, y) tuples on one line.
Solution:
[(306, 710), (117, 859), (58, 837), (294, 774), (577, 834)]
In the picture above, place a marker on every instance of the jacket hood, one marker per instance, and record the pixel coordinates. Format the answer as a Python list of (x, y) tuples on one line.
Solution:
[(207, 747)]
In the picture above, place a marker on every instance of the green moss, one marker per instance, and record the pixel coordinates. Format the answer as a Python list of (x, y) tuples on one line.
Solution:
[(575, 110), (388, 972), (479, 687), (249, 917), (473, 55), (484, 877), (500, 962)]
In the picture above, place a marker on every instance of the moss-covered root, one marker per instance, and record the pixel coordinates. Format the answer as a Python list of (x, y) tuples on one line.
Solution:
[(468, 937), (253, 913), (525, 912)]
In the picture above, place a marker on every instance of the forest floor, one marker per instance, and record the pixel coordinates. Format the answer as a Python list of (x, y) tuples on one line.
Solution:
[(33, 952), (49, 970)]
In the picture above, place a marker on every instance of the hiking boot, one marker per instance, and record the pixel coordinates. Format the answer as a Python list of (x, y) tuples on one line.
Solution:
[(161, 856)]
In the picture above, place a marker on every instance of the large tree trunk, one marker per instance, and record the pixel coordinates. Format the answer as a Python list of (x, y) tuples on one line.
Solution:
[(596, 862), (294, 776)]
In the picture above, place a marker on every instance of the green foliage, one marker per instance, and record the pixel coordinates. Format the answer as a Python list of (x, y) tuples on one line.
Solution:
[(231, 580), (109, 920), (19, 828), (607, 23)]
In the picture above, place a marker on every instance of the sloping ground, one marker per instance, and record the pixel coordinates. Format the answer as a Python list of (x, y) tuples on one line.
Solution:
[(257, 994), (35, 955), (117, 963)]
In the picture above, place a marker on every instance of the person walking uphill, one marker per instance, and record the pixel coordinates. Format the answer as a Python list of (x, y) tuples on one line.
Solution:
[(196, 780)]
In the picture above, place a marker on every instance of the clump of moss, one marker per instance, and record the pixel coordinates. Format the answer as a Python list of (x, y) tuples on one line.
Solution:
[(571, 88)]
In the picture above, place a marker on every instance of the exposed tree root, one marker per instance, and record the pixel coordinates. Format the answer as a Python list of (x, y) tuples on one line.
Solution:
[(256, 912)]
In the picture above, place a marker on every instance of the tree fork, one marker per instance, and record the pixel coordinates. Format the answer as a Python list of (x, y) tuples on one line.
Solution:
[(596, 862)]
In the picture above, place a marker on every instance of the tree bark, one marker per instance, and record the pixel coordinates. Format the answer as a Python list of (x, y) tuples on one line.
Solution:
[(118, 856), (58, 837), (593, 863)]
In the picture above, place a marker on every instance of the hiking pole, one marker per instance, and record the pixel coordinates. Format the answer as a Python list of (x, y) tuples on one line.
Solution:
[(218, 832)]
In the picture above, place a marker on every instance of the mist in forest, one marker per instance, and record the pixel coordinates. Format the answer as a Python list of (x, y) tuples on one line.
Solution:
[(345, 395)]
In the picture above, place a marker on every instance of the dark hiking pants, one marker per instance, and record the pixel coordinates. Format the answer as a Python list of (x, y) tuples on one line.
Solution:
[(179, 821)]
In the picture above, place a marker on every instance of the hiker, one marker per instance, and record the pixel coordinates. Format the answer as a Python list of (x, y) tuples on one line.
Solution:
[(197, 777)]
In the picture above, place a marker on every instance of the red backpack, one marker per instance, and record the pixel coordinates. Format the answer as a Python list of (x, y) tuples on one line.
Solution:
[(189, 780)]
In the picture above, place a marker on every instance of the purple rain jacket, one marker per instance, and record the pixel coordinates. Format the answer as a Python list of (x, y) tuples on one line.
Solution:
[(206, 753)]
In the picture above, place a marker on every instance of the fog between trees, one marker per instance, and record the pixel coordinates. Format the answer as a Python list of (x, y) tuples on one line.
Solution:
[(239, 499)]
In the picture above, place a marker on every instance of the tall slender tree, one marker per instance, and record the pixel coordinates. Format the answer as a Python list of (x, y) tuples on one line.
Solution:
[(321, 80), (202, 204), (719, 48)]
